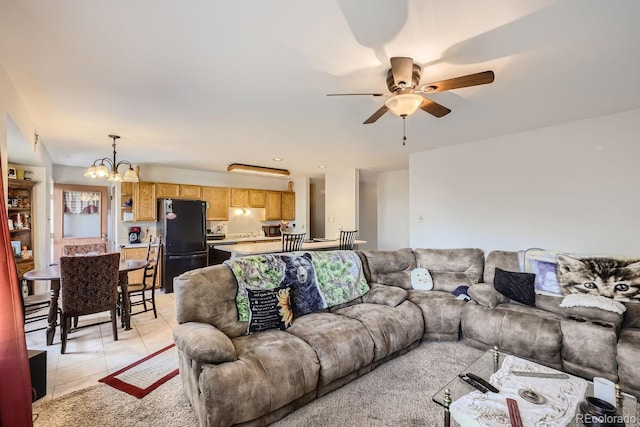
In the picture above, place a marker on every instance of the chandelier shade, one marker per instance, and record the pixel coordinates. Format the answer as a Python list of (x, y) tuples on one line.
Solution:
[(108, 168), (404, 104)]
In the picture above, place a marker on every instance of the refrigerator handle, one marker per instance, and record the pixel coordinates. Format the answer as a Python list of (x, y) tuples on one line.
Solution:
[(204, 255)]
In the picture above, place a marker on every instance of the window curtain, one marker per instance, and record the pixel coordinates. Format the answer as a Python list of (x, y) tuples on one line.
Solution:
[(77, 202), (15, 378)]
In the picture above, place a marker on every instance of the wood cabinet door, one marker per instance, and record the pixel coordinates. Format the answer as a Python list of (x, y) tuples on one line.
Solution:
[(134, 253), (239, 197), (167, 191), (189, 191), (218, 199), (257, 198), (273, 205), (144, 201), (288, 205)]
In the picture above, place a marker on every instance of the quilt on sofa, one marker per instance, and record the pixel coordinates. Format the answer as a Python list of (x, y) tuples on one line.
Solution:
[(318, 280)]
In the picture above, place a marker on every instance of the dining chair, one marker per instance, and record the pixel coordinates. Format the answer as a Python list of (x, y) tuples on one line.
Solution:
[(347, 239), (85, 249), (32, 306), (292, 241), (88, 285), (148, 283)]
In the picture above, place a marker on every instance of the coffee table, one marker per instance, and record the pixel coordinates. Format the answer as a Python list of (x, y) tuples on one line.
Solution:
[(490, 362)]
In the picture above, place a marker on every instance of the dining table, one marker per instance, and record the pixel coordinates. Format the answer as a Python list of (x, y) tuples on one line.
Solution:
[(52, 273)]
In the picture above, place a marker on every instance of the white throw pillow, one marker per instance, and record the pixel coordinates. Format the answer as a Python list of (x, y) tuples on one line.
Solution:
[(421, 279), (597, 301)]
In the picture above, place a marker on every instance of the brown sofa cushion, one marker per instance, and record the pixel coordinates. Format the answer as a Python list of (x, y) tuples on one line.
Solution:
[(390, 267), (204, 343), (451, 268), (486, 295), (387, 295)]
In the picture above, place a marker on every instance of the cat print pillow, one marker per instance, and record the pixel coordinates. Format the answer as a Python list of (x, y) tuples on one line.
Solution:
[(618, 279)]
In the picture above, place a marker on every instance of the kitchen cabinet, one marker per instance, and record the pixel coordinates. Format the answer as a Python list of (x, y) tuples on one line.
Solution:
[(248, 198), (288, 209), (218, 200), (139, 253), (167, 191), (20, 212), (126, 201), (239, 197), (189, 191), (273, 206), (257, 198), (144, 201)]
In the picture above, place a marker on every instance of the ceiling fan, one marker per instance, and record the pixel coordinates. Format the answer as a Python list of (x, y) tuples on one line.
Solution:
[(403, 81)]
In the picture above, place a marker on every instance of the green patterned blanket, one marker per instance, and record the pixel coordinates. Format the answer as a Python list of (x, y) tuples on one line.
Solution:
[(318, 280)]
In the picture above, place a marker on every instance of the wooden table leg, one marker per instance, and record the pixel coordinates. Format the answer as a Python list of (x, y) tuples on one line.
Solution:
[(126, 303), (52, 319)]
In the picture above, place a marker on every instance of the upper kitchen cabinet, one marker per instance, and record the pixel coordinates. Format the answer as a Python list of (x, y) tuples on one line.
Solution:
[(273, 205), (248, 198), (257, 198), (189, 192), (218, 200), (167, 191), (239, 197), (288, 208), (126, 201), (144, 201)]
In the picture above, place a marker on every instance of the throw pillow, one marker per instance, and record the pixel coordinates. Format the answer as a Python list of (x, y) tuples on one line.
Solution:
[(462, 293), (269, 309), (421, 279), (516, 286)]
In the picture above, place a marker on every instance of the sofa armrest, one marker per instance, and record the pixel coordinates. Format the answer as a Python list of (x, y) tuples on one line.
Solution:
[(486, 295), (385, 295), (204, 343)]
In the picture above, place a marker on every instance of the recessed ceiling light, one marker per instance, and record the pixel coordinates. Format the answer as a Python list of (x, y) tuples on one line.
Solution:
[(277, 159), (322, 166)]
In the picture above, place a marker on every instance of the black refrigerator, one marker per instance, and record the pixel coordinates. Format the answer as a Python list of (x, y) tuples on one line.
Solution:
[(182, 226)]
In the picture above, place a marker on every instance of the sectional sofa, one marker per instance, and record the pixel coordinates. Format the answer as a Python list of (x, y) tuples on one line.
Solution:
[(235, 378)]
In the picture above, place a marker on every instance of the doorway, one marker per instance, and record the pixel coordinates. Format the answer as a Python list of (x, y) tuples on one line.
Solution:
[(79, 216)]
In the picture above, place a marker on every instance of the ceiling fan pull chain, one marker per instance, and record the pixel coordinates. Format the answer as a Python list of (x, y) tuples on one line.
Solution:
[(404, 131)]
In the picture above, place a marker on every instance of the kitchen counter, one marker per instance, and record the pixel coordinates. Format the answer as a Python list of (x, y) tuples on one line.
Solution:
[(244, 249), (228, 241)]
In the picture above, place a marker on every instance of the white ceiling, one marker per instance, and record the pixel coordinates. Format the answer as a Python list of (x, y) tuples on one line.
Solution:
[(200, 84)]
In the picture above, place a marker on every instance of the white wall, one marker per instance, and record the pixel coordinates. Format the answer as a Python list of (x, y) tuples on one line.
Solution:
[(393, 210), (341, 201), (368, 206), (571, 187)]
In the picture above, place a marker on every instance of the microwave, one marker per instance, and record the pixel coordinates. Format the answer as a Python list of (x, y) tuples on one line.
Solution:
[(271, 230)]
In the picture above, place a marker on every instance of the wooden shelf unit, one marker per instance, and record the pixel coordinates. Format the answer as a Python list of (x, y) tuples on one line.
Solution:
[(20, 212)]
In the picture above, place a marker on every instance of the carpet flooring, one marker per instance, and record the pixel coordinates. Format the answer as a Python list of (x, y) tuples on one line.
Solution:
[(396, 393)]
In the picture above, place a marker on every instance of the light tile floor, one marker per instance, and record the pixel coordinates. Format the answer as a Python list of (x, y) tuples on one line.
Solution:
[(93, 354)]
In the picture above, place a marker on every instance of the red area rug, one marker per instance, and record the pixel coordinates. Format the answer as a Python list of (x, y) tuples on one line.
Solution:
[(147, 374)]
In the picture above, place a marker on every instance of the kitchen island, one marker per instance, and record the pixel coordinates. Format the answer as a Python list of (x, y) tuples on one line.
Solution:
[(244, 249)]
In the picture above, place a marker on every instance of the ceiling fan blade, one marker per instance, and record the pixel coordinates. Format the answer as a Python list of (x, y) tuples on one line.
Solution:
[(351, 94), (402, 69), (458, 82), (375, 116), (434, 108)]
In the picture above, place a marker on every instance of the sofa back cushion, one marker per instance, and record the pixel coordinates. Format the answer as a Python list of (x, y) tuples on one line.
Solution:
[(208, 295), (451, 268), (504, 260), (389, 267)]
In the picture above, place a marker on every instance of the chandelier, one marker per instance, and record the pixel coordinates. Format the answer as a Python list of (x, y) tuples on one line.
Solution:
[(108, 168)]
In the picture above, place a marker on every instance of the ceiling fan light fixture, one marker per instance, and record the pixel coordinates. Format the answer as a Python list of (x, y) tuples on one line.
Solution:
[(404, 104), (239, 167)]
